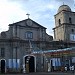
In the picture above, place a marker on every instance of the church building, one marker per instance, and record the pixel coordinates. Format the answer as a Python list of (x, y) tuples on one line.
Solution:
[(26, 47), (64, 24), (20, 40)]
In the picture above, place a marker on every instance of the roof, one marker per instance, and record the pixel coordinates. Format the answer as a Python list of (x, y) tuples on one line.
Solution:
[(49, 51), (16, 23), (64, 7)]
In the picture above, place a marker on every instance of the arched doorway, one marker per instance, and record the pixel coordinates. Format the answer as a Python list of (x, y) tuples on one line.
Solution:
[(2, 66), (31, 63)]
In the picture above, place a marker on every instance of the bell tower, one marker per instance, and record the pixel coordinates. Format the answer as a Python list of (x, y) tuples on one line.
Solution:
[(64, 24)]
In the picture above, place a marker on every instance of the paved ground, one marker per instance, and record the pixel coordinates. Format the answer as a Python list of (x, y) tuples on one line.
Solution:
[(44, 73)]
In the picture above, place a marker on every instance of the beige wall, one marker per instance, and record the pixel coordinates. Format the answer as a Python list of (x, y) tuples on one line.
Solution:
[(63, 31)]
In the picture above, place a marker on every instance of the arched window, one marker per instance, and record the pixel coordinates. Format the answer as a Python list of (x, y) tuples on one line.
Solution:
[(2, 52), (59, 21), (70, 20), (28, 35), (72, 30)]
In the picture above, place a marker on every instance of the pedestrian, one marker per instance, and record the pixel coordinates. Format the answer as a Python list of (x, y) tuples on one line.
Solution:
[(21, 70), (66, 68), (72, 68)]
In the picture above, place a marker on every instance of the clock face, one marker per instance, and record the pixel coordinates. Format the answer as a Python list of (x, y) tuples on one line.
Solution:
[(29, 22)]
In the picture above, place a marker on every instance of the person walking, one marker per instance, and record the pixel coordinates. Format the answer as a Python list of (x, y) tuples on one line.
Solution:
[(70, 68), (73, 68), (65, 68)]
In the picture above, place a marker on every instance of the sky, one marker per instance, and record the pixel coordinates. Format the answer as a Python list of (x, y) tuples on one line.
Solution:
[(41, 11)]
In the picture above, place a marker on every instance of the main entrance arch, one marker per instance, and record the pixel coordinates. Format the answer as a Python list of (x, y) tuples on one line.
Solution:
[(2, 65), (30, 60)]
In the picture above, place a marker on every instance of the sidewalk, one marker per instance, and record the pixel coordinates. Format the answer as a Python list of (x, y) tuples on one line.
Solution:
[(43, 73)]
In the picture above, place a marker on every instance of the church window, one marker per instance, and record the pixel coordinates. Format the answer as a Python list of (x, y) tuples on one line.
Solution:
[(72, 30), (72, 37), (28, 35), (2, 52), (59, 21), (14, 63), (70, 20)]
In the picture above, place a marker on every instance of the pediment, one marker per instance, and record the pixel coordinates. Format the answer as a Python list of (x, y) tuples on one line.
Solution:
[(28, 23)]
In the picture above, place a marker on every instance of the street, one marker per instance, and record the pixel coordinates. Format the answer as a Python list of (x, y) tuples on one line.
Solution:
[(44, 73)]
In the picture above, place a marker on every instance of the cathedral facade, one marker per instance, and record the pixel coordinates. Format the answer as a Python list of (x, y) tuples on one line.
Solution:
[(18, 42)]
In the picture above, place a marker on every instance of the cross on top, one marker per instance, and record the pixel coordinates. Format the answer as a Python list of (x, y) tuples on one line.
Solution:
[(63, 3), (28, 15)]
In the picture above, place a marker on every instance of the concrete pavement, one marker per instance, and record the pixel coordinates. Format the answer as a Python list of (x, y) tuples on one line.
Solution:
[(44, 73)]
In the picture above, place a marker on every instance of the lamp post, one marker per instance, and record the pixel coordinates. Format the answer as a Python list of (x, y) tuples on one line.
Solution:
[(16, 59), (46, 65), (30, 47), (42, 60), (28, 58)]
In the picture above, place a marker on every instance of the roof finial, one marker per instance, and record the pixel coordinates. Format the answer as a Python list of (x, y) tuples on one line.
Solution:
[(63, 3), (28, 15)]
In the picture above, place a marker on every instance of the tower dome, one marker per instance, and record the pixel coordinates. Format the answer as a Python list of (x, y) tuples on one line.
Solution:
[(64, 7)]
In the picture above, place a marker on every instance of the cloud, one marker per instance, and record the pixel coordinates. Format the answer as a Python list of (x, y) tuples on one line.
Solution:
[(41, 11), (10, 13)]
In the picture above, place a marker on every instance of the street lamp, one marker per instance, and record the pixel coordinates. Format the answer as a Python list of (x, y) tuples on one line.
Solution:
[(46, 65), (30, 47)]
